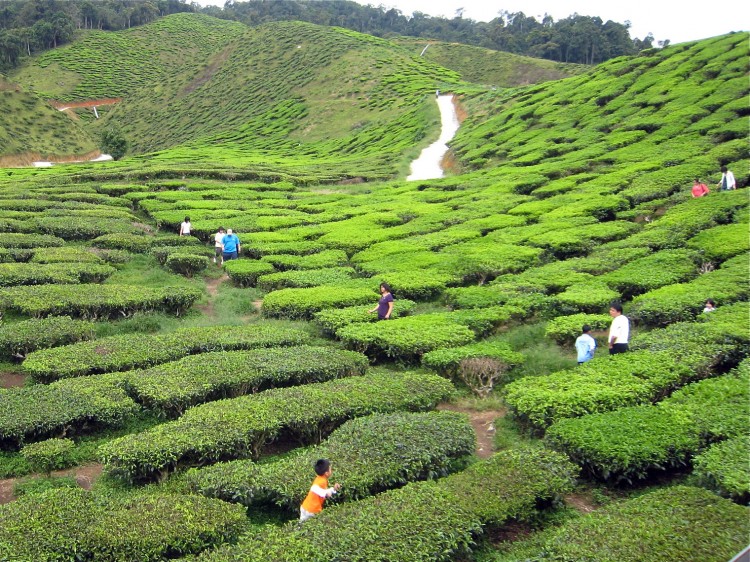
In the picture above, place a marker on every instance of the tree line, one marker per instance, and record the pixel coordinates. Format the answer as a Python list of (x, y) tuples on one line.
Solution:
[(29, 26)]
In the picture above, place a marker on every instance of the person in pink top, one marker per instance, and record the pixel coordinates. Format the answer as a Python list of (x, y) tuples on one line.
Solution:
[(699, 189)]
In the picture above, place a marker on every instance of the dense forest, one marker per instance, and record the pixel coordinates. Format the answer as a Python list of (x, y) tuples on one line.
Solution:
[(29, 26)]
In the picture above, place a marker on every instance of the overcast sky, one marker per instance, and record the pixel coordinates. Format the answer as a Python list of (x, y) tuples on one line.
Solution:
[(664, 19)]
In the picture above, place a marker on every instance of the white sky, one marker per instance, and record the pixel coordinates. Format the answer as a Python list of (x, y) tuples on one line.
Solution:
[(664, 19)]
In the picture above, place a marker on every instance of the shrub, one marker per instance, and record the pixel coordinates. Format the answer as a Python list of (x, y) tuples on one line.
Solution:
[(172, 387), (304, 303), (245, 273), (96, 301), (21, 338), (332, 276), (421, 522), (651, 272), (65, 254), (163, 253), (415, 285), (586, 298), (62, 408), (370, 457), (723, 467), (565, 329), (406, 338), (185, 263), (69, 524), (12, 274), (240, 427), (630, 443), (601, 385), (684, 301), (129, 351), (448, 361), (326, 258), (722, 242), (82, 227), (332, 320), (22, 241), (135, 243), (696, 524), (46, 456)]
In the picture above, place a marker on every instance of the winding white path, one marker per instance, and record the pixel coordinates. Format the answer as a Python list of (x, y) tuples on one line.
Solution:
[(427, 166)]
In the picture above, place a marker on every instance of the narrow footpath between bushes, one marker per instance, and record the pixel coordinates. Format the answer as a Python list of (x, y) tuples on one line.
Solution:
[(484, 426), (85, 476)]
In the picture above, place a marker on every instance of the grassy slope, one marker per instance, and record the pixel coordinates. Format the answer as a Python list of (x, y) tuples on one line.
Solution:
[(485, 66), (28, 124)]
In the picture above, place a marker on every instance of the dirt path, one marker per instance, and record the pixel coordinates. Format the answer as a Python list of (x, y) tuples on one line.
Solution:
[(484, 426), (85, 476), (12, 380), (212, 288)]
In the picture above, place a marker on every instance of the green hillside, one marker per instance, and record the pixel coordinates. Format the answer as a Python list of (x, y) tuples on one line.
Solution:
[(29, 125), (486, 66)]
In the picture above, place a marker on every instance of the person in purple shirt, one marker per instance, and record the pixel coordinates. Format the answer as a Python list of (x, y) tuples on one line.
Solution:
[(385, 304)]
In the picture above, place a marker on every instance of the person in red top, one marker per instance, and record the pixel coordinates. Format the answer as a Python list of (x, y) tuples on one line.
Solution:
[(319, 491), (699, 189)]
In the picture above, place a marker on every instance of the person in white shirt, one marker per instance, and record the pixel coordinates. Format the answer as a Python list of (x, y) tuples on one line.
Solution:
[(727, 180), (219, 245), (185, 227), (619, 330)]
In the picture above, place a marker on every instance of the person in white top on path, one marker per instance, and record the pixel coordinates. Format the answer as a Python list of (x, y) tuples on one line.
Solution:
[(619, 331), (185, 227), (219, 245)]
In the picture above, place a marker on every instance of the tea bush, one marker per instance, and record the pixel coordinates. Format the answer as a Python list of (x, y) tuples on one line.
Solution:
[(600, 385), (69, 524), (46, 456), (684, 301), (21, 338), (240, 427), (631, 443), (331, 276), (65, 254), (96, 301), (651, 272), (447, 361), (30, 241), (370, 457), (304, 303), (13, 274), (326, 258), (185, 263), (700, 526), (406, 338), (245, 273), (723, 468), (424, 521), (171, 388), (722, 242), (334, 319), (129, 351), (565, 329), (66, 407)]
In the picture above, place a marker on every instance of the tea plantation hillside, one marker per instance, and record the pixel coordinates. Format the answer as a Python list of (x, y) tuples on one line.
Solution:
[(485, 66), (29, 125), (202, 391)]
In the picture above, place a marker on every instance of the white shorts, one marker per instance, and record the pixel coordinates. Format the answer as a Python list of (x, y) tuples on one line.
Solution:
[(304, 515)]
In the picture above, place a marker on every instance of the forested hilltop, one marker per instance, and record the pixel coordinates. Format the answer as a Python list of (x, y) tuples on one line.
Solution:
[(32, 26)]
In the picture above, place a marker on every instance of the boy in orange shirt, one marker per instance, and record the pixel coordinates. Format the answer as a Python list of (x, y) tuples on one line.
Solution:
[(319, 491)]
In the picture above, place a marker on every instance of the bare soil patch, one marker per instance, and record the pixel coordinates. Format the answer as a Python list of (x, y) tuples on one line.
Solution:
[(12, 380), (581, 502), (212, 288), (84, 475), (484, 426)]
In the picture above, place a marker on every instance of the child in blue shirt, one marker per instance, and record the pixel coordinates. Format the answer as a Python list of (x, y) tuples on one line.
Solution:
[(585, 345)]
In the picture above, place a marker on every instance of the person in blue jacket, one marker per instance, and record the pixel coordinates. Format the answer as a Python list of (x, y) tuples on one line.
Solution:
[(230, 246)]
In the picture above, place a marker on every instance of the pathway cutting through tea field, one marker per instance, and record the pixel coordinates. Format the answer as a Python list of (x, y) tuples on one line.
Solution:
[(428, 165)]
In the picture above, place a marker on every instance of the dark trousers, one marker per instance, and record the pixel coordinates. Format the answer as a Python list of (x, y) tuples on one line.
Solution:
[(618, 348), (230, 256)]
